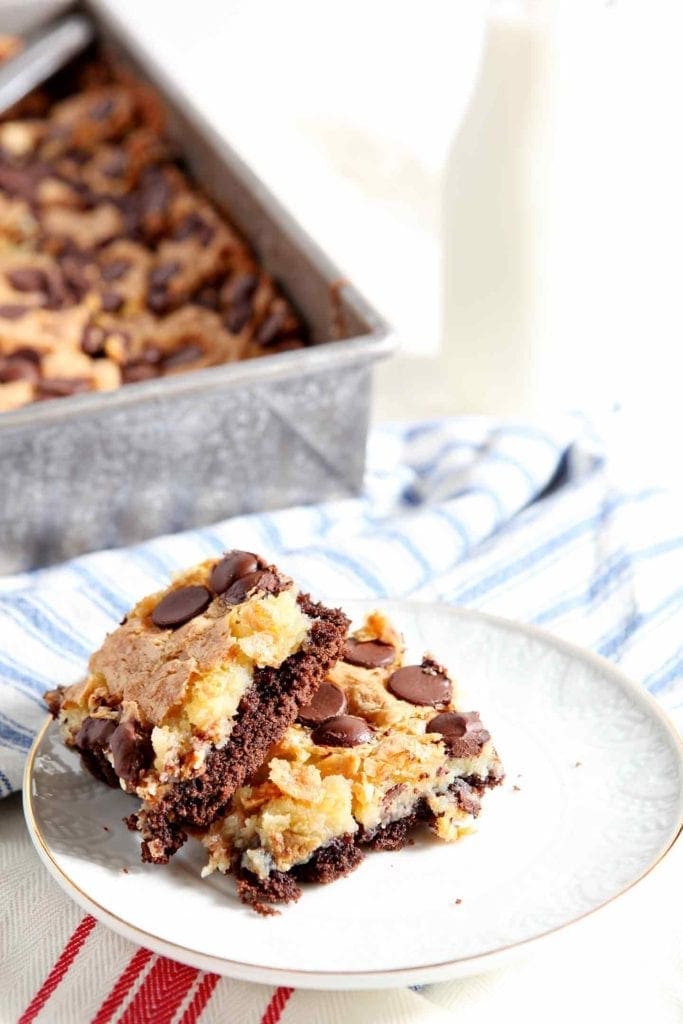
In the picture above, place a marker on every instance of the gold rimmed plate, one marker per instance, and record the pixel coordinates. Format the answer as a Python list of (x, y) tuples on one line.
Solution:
[(592, 801)]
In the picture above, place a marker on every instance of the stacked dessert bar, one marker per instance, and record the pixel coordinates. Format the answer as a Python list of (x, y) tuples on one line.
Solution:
[(238, 711)]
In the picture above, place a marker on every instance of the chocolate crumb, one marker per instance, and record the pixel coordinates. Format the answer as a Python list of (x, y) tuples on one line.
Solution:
[(516, 789), (578, 764), (125, 870), (457, 902)]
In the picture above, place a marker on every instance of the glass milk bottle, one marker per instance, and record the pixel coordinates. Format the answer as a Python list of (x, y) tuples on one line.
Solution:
[(562, 216)]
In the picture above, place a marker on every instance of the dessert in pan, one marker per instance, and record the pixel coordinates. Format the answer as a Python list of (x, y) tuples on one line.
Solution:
[(183, 700), (114, 268), (381, 747)]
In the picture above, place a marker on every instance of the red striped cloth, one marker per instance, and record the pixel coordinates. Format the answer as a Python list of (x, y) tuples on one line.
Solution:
[(148, 990)]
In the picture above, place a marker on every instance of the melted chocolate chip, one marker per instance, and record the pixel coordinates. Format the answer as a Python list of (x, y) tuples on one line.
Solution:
[(462, 732), (238, 317), (28, 279), (420, 684), (237, 295), (101, 110), (368, 653), (193, 224), (75, 276), (61, 387), (328, 702), (15, 368), (154, 197), (93, 339), (189, 353), (26, 352), (111, 302), (231, 567), (115, 166), (132, 751), (161, 275), (158, 300), (115, 270), (94, 733), (239, 288), (179, 606), (271, 327), (262, 580), (11, 311), (343, 731), (134, 372)]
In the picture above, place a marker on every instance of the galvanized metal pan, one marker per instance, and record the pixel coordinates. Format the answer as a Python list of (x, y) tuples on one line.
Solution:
[(109, 469)]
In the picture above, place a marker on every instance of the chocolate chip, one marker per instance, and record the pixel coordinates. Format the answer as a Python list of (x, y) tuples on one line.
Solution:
[(271, 327), (77, 154), (13, 368), (161, 275), (342, 731), (61, 387), (368, 653), (231, 567), (239, 288), (193, 224), (188, 226), (179, 606), (154, 197), (420, 684), (28, 279), (158, 301), (133, 373), (26, 352), (238, 317), (101, 110), (151, 354), (11, 311), (94, 733), (132, 751), (115, 270), (262, 580), (237, 294), (189, 353), (93, 339), (328, 702), (115, 166), (56, 292), (23, 182), (462, 732), (111, 302), (74, 275)]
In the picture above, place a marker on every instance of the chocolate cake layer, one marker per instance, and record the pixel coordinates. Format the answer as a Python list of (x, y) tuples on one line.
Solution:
[(344, 854)]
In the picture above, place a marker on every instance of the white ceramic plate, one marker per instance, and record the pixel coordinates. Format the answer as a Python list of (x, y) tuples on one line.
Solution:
[(592, 801)]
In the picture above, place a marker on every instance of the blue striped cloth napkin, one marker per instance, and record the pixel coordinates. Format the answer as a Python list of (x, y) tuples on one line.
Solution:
[(523, 521)]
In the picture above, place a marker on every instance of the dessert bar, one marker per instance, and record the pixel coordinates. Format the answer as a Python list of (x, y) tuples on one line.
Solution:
[(184, 698), (381, 747)]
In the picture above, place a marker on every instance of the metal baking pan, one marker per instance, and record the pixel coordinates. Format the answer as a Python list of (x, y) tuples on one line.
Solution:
[(109, 469)]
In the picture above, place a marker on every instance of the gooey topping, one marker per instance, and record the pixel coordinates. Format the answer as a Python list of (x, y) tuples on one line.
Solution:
[(361, 756), (169, 681)]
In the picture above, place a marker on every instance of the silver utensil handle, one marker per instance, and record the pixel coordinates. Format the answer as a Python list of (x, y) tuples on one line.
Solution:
[(46, 51)]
